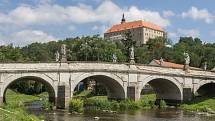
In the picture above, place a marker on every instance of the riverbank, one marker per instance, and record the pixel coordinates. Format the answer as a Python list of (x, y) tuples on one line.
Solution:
[(14, 110), (200, 105), (79, 103), (85, 100)]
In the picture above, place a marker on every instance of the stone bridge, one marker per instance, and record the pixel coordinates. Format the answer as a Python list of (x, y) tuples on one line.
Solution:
[(121, 80)]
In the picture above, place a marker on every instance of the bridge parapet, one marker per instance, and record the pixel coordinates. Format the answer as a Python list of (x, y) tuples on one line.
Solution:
[(105, 67)]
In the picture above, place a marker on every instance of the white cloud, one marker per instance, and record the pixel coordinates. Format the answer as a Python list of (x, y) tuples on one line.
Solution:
[(183, 32), (134, 13), (4, 18), (101, 28), (25, 37), (47, 13), (172, 34), (188, 32), (168, 13), (107, 12), (45, 1), (199, 14), (175, 35), (95, 27)]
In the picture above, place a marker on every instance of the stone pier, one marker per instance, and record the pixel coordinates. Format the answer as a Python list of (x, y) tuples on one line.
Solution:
[(63, 97)]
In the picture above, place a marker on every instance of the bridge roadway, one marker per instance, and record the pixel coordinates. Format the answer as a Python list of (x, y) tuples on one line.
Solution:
[(121, 80)]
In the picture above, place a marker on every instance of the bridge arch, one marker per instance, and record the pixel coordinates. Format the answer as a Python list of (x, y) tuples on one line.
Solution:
[(114, 84), (205, 88), (47, 81), (166, 88)]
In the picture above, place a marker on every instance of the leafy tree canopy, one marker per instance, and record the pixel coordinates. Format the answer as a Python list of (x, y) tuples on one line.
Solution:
[(95, 48)]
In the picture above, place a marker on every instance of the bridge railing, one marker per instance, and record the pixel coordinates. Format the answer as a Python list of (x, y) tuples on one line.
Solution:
[(99, 62)]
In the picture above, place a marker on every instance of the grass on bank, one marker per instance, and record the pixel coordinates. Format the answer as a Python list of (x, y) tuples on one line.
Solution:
[(14, 109), (17, 99), (200, 104)]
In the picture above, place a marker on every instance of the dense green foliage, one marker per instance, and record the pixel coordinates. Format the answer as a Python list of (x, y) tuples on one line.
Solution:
[(199, 52), (97, 49), (76, 105), (102, 103)]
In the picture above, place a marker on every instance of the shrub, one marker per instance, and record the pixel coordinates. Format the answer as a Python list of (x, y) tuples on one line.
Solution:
[(47, 105), (123, 105), (115, 105), (129, 104), (204, 109), (76, 105), (162, 104)]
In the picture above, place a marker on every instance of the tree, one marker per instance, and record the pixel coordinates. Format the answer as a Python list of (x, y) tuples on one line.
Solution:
[(93, 48), (37, 52), (142, 55)]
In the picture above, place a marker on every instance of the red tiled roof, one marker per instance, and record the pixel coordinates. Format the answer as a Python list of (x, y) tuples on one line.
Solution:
[(169, 64), (134, 24)]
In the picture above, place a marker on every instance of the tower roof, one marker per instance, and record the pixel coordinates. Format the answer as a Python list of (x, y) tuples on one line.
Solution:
[(123, 18), (133, 24)]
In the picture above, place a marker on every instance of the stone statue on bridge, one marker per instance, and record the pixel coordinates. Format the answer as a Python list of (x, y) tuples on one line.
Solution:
[(63, 49), (187, 61), (205, 66), (132, 55), (187, 58), (57, 56), (114, 57), (63, 53)]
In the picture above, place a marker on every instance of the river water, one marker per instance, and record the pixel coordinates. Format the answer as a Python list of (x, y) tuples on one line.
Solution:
[(170, 114)]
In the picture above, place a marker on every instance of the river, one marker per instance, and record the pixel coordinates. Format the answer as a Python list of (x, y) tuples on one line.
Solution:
[(169, 114)]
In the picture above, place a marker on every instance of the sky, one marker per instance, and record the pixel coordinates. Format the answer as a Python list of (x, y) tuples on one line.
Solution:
[(25, 21)]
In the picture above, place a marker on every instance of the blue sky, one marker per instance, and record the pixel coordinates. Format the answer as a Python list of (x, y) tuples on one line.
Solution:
[(26, 21)]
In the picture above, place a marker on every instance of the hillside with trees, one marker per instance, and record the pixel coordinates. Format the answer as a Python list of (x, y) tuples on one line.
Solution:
[(95, 48)]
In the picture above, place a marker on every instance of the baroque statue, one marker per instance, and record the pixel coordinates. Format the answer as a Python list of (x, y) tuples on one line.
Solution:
[(63, 49), (186, 58), (63, 53), (114, 57), (132, 52), (57, 56)]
